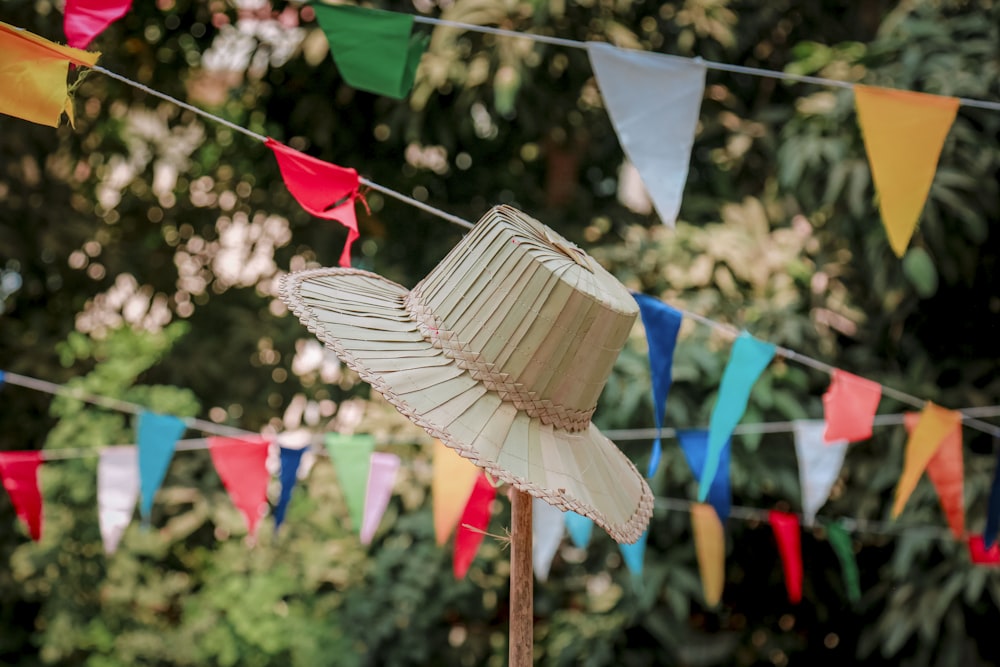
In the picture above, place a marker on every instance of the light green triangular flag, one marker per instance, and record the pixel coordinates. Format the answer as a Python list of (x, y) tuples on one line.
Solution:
[(351, 456), (374, 49)]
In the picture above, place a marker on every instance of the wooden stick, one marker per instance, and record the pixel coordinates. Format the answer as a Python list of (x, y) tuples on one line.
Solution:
[(522, 582)]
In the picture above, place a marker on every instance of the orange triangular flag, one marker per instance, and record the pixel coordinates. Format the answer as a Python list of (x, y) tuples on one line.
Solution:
[(934, 425), (903, 133), (710, 546), (451, 486), (947, 474), (33, 75)]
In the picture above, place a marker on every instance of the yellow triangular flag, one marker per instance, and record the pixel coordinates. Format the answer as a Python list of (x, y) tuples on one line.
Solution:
[(33, 75), (903, 133), (451, 486), (935, 424), (710, 545)]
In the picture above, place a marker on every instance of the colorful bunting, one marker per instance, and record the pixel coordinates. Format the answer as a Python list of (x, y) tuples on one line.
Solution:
[(947, 473), (819, 465), (849, 406), (453, 481), (117, 492), (787, 534), (934, 425), (323, 189), (662, 323), (351, 456), (157, 437), (242, 466), (475, 519), (36, 68), (981, 554), (19, 472), (841, 543), (654, 101), (381, 479), (634, 555), (903, 132), (993, 507), (710, 547), (547, 529), (374, 49), (694, 443), (747, 361), (289, 475), (83, 20), (580, 529)]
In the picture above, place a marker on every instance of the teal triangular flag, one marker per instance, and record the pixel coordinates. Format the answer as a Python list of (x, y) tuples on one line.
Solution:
[(580, 529), (373, 49), (351, 456), (635, 554), (157, 437)]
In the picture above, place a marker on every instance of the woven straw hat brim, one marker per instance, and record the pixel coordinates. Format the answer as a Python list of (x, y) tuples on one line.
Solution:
[(362, 317)]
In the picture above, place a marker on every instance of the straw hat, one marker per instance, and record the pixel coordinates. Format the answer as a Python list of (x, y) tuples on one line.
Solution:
[(501, 353)]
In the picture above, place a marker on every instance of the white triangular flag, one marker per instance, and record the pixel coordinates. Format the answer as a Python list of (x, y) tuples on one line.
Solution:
[(547, 528), (117, 492), (654, 101), (819, 465)]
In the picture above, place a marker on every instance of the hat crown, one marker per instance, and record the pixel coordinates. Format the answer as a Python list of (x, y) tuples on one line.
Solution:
[(529, 310)]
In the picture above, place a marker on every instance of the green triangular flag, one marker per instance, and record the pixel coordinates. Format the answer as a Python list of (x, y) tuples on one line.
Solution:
[(841, 543), (351, 456), (373, 49)]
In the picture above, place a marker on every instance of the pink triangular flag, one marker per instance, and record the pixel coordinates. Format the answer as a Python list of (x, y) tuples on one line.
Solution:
[(547, 530), (454, 478), (849, 407), (381, 478), (83, 20), (242, 467), (472, 525), (325, 190), (787, 534), (117, 492), (19, 471)]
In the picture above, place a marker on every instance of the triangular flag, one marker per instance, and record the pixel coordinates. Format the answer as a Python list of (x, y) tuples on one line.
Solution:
[(547, 529), (694, 443), (993, 507), (849, 406), (934, 425), (351, 456), (634, 555), (819, 465), (454, 478), (903, 132), (381, 478), (289, 475), (242, 466), (580, 529), (654, 101), (157, 437), (947, 473), (475, 519), (981, 554), (323, 189), (19, 471), (83, 20), (841, 543), (661, 323), (374, 49), (36, 68), (787, 535), (710, 547), (748, 359), (117, 492)]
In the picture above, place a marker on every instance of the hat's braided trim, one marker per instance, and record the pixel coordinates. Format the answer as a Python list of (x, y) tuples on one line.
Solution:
[(484, 371)]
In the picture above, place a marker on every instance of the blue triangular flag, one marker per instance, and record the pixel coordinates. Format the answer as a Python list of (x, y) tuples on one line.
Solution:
[(288, 475), (635, 554), (662, 323), (3, 377), (694, 442), (748, 359), (580, 529), (157, 436), (993, 509)]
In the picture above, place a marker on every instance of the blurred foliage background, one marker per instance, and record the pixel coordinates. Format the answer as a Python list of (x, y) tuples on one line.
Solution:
[(139, 254)]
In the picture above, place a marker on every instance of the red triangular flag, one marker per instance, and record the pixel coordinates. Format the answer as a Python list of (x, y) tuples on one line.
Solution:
[(19, 471), (947, 474), (849, 407), (787, 534), (472, 525), (980, 555), (242, 466), (325, 190), (83, 20)]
